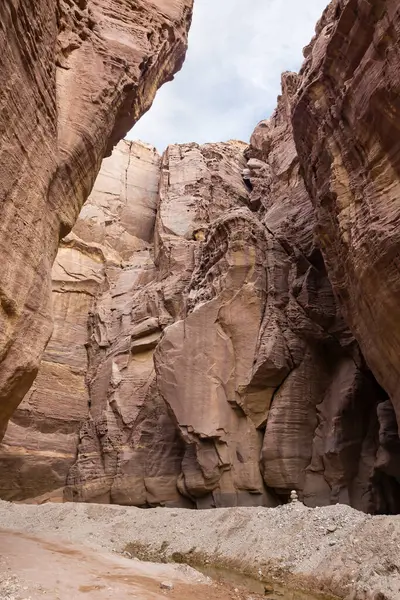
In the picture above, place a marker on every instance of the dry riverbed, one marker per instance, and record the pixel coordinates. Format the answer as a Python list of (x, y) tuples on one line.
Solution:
[(95, 549)]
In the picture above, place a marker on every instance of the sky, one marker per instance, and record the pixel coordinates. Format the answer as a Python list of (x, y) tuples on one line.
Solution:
[(231, 76)]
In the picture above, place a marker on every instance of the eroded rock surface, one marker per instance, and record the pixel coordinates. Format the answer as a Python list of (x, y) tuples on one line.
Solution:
[(346, 123), (75, 76), (209, 304), (135, 435), (161, 428), (41, 441), (321, 435), (199, 357)]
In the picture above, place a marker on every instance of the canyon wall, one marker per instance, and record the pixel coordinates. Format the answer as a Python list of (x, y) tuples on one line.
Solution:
[(199, 357), (346, 126), (225, 317), (331, 427), (75, 76), (41, 441), (100, 421)]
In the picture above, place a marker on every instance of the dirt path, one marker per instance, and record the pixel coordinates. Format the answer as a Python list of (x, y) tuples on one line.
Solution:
[(62, 571)]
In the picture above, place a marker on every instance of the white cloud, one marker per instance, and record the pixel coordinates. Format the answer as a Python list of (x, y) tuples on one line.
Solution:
[(231, 76)]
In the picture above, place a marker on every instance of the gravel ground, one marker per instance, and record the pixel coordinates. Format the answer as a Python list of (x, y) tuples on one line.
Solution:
[(10, 587), (333, 549)]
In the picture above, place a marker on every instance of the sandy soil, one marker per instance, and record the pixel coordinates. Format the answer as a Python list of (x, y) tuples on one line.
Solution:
[(334, 549), (33, 567)]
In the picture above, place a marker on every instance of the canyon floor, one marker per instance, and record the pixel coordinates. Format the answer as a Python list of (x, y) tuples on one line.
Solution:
[(91, 551)]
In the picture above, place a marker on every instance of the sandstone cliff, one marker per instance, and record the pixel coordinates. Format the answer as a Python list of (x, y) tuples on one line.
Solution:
[(199, 357), (346, 122), (329, 422), (217, 338), (42, 438), (75, 77), (101, 420)]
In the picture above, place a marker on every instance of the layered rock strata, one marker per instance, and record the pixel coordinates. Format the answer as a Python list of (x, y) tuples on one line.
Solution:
[(330, 424), (41, 442), (210, 304), (75, 77), (138, 436), (346, 121), (199, 357)]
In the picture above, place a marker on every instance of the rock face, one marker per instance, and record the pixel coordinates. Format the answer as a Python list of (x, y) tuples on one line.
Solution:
[(58, 403), (346, 120), (137, 264), (199, 357), (76, 75), (213, 307), (321, 435)]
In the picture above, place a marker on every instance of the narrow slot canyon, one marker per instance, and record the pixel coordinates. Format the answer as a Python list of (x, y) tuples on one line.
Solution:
[(199, 347)]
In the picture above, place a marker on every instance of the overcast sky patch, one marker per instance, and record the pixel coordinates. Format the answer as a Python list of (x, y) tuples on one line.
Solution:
[(231, 77)]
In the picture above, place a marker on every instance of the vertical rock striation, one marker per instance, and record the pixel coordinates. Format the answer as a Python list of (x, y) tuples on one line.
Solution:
[(173, 434), (346, 120), (213, 306), (75, 76), (199, 357), (41, 441), (204, 360), (164, 426), (321, 435)]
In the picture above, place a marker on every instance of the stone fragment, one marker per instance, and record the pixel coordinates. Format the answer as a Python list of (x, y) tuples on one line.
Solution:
[(331, 528), (167, 585), (255, 164)]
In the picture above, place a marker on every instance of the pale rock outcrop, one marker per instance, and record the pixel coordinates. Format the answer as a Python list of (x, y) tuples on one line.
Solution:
[(75, 77), (204, 359), (171, 435), (41, 441), (138, 438)]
